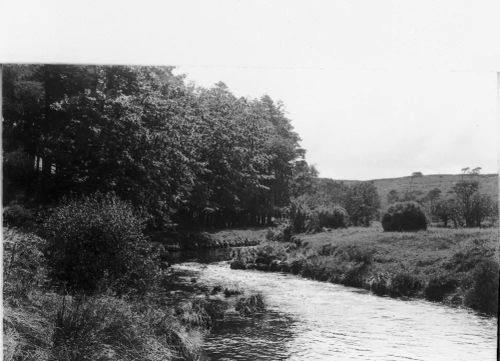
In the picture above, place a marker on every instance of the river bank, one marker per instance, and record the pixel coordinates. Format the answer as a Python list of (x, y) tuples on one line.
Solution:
[(189, 241), (42, 321), (455, 267)]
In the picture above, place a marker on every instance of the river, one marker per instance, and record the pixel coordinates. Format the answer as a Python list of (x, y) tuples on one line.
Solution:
[(311, 320)]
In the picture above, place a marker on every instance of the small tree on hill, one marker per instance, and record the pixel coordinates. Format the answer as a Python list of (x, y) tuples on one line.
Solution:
[(393, 196), (465, 192)]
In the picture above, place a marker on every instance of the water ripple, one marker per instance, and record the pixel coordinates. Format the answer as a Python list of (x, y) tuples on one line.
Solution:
[(310, 320)]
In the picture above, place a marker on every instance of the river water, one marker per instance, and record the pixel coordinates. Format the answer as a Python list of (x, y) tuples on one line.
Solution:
[(311, 320)]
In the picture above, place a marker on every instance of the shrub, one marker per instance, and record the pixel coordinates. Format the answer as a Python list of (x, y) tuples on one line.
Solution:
[(282, 233), (332, 217), (15, 215), (97, 240), (404, 284), (23, 263), (306, 219), (439, 286), (404, 216), (300, 214), (483, 295), (108, 328)]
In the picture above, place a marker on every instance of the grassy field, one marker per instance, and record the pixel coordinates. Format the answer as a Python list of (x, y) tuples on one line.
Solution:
[(457, 267), (445, 182)]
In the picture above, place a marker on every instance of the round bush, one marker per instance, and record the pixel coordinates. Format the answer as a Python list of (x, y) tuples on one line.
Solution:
[(404, 216), (98, 239), (332, 217)]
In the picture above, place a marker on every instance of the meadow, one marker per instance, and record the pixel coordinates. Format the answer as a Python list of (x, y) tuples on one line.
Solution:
[(458, 267)]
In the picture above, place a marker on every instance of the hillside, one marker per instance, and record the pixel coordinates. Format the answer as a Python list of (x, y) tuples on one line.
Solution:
[(425, 183)]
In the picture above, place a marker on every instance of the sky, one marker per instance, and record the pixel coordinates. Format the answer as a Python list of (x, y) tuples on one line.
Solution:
[(375, 89)]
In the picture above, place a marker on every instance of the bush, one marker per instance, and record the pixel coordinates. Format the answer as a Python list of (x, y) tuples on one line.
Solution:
[(483, 295), (97, 240), (404, 216), (439, 286), (16, 215), (108, 328), (331, 217), (404, 284), (300, 214), (282, 233), (306, 219), (23, 263)]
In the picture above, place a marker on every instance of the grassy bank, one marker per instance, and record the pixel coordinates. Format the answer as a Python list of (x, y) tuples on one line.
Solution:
[(457, 267), (43, 322)]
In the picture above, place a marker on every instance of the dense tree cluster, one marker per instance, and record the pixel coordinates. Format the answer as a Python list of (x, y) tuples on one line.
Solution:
[(180, 154)]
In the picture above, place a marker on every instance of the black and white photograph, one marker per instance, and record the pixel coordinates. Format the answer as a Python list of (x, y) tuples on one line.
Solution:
[(239, 180)]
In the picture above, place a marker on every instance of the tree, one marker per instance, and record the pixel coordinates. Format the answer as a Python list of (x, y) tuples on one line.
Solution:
[(362, 203), (447, 209), (465, 191), (182, 155), (393, 196), (482, 207)]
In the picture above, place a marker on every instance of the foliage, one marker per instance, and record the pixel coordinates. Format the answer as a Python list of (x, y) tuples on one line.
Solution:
[(404, 284), (404, 216), (182, 155), (282, 233), (484, 292), (330, 217), (96, 239), (23, 263), (15, 215), (439, 286), (393, 196), (362, 203), (447, 209)]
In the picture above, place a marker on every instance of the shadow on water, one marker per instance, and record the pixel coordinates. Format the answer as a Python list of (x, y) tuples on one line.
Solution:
[(248, 339)]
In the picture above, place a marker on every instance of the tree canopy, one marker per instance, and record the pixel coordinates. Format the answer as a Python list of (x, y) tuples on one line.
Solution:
[(181, 154)]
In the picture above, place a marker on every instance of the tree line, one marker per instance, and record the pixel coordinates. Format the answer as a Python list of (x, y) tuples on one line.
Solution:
[(180, 154)]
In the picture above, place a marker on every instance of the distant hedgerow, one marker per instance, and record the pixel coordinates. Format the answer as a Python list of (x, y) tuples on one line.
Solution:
[(404, 216), (97, 239)]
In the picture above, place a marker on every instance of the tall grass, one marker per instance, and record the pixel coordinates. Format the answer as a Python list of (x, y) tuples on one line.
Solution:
[(41, 324)]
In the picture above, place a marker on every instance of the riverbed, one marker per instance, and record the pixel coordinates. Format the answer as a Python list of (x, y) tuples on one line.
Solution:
[(311, 320)]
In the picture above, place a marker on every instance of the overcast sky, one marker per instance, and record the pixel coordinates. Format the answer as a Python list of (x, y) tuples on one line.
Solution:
[(374, 88)]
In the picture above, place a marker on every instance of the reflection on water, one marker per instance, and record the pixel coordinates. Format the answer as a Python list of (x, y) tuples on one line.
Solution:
[(311, 320)]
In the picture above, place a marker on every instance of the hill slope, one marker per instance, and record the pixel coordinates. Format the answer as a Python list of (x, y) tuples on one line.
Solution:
[(445, 182)]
